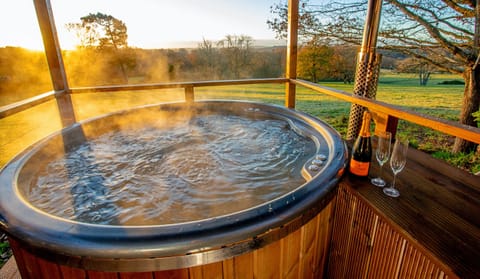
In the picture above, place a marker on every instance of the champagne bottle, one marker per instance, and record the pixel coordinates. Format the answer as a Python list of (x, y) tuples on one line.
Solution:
[(362, 149)]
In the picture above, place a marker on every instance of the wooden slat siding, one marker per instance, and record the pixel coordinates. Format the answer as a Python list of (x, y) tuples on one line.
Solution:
[(195, 272), (310, 253), (386, 240), (102, 275), (300, 254), (315, 245), (438, 211), (214, 271), (290, 255), (24, 261), (135, 275), (72, 273), (266, 263), (445, 126), (48, 270), (385, 255), (356, 242), (243, 265), (341, 235), (228, 267), (417, 265), (172, 274), (359, 245), (19, 260), (324, 234)]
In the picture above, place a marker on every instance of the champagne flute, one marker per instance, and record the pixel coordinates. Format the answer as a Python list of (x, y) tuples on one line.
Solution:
[(382, 152), (397, 163)]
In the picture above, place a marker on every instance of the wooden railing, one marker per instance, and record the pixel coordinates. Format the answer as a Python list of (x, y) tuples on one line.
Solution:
[(385, 110), (445, 126)]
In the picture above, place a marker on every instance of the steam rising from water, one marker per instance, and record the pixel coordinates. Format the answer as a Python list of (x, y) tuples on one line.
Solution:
[(205, 167)]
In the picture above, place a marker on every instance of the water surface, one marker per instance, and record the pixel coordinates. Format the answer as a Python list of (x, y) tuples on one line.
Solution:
[(205, 167)]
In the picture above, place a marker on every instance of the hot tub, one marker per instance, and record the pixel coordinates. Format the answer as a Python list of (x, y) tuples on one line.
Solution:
[(173, 236)]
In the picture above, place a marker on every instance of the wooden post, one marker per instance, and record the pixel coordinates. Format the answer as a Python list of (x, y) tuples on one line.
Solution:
[(189, 94), (53, 53), (291, 66), (51, 44), (384, 123)]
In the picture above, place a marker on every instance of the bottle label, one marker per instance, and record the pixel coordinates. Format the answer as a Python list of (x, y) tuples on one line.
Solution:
[(359, 168)]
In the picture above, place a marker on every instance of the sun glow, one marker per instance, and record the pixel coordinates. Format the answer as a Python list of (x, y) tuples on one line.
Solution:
[(150, 23), (19, 25)]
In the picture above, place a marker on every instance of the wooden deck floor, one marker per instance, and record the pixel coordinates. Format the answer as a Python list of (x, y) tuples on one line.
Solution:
[(438, 210)]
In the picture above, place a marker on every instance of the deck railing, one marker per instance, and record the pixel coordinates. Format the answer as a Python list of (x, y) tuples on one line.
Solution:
[(386, 111)]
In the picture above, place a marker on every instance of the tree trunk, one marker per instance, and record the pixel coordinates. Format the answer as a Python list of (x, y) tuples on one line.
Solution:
[(471, 101)]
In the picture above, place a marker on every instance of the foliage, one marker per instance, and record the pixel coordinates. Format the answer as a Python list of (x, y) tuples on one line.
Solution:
[(5, 252), (440, 33), (23, 74), (420, 67), (313, 61), (468, 161), (477, 117), (106, 34), (100, 30), (236, 55)]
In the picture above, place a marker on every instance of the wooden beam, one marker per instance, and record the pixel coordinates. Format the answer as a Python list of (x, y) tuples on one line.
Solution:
[(189, 94), (51, 44), (53, 53), (384, 123), (152, 86), (291, 65)]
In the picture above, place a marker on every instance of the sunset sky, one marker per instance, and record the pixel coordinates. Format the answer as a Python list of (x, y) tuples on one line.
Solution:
[(150, 23)]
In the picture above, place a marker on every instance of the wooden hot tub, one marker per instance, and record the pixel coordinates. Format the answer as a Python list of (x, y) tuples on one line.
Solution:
[(281, 237)]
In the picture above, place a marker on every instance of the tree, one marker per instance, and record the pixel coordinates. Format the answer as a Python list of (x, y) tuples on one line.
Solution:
[(314, 61), (343, 63), (416, 66), (207, 59), (237, 53), (106, 33), (23, 74), (442, 33)]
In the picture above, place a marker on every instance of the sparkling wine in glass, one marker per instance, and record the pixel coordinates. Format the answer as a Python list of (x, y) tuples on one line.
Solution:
[(397, 163), (382, 153)]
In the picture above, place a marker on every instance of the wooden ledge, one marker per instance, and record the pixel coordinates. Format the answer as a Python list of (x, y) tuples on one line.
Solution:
[(438, 210)]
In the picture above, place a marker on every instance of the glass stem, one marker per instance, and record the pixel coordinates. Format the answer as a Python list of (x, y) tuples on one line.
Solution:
[(393, 183), (381, 168)]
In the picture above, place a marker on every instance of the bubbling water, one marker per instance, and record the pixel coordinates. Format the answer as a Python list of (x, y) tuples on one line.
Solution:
[(207, 166)]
